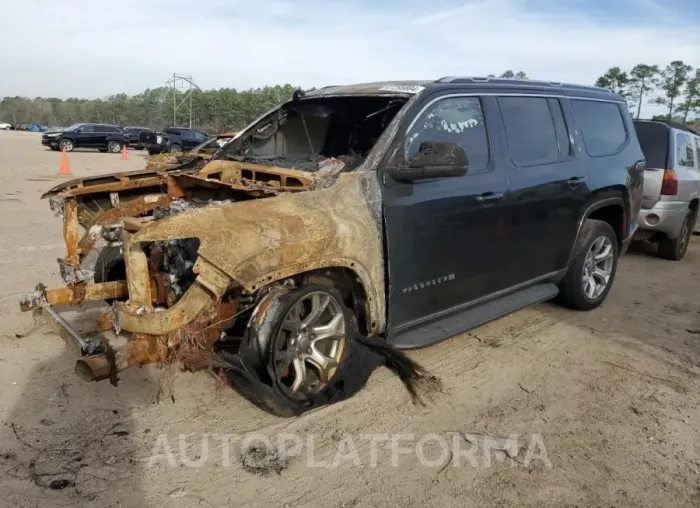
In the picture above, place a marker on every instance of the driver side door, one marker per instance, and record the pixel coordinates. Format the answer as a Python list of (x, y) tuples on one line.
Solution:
[(446, 238)]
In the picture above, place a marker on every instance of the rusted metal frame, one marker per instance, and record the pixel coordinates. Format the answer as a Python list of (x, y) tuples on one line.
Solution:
[(76, 295), (151, 181), (70, 235), (136, 206)]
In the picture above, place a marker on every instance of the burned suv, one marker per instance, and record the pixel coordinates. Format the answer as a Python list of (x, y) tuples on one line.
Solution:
[(347, 224)]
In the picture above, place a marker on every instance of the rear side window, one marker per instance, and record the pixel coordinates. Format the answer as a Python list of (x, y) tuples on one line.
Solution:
[(685, 151), (653, 139), (457, 120), (532, 137), (602, 126), (112, 129)]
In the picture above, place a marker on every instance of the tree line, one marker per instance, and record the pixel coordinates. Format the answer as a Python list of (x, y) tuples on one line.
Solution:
[(213, 110), (676, 87)]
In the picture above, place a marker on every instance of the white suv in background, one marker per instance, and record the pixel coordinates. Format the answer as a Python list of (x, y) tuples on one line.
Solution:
[(671, 186), (5, 126)]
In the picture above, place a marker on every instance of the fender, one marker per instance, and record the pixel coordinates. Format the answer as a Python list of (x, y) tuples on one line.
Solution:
[(592, 207), (257, 242)]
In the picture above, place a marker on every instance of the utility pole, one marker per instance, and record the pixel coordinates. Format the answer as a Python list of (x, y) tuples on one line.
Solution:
[(185, 84)]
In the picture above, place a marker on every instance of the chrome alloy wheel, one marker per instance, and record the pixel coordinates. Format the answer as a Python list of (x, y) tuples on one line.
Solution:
[(597, 268), (310, 344)]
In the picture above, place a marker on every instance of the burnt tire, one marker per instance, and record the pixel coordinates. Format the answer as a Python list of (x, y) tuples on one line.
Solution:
[(675, 249), (574, 290)]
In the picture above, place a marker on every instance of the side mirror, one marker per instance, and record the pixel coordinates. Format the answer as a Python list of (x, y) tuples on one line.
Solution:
[(435, 159)]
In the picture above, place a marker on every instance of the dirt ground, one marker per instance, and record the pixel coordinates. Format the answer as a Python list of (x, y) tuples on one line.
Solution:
[(604, 405)]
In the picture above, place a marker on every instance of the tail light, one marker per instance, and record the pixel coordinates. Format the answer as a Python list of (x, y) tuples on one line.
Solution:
[(669, 186)]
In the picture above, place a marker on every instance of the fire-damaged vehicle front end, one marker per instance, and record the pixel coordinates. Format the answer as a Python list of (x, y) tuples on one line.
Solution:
[(265, 263)]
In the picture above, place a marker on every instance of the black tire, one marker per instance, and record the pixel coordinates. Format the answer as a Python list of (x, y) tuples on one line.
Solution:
[(675, 249), (66, 145), (110, 266), (114, 146), (571, 289), (151, 151), (174, 148)]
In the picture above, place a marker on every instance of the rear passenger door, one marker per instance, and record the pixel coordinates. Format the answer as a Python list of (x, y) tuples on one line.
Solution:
[(548, 187), (447, 238)]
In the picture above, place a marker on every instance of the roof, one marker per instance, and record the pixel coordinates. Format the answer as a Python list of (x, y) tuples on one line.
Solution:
[(376, 88), (477, 84)]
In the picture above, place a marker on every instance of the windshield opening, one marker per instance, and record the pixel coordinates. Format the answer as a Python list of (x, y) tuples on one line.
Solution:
[(74, 126), (315, 134)]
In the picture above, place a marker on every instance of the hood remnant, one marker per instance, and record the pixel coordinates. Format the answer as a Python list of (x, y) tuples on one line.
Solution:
[(190, 252)]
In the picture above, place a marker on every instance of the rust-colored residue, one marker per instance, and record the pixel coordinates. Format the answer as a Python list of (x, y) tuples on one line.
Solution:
[(77, 294)]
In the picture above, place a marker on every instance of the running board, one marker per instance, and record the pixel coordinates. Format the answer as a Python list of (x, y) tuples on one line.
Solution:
[(437, 331)]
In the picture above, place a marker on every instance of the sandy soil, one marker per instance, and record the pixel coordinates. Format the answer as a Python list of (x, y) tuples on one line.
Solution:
[(605, 405)]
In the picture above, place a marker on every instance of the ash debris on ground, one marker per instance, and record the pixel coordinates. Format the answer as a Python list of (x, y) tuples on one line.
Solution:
[(261, 460)]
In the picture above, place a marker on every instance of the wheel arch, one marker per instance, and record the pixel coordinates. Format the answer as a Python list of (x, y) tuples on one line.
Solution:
[(611, 206)]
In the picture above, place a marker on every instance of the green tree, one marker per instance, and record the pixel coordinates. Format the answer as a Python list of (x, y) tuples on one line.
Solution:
[(673, 77), (614, 80), (509, 74), (692, 96), (643, 79)]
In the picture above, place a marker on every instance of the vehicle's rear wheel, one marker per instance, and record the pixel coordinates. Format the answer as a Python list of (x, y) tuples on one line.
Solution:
[(592, 269), (153, 152), (675, 249), (175, 148), (66, 145), (309, 341), (114, 147)]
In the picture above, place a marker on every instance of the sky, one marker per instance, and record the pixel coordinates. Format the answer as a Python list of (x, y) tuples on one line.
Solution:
[(88, 48)]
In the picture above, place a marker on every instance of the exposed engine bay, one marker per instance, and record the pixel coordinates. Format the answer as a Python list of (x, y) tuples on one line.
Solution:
[(198, 268)]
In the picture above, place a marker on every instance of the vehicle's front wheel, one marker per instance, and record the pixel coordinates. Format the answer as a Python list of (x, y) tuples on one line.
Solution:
[(175, 148), (114, 147), (676, 248), (592, 268), (310, 334), (66, 145)]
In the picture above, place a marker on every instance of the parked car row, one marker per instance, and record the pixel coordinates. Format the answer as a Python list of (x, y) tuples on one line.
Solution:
[(111, 138)]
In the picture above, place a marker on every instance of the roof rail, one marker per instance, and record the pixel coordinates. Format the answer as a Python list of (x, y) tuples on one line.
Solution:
[(477, 79)]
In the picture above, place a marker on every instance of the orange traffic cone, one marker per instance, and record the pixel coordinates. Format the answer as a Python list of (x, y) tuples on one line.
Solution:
[(65, 167), (124, 156)]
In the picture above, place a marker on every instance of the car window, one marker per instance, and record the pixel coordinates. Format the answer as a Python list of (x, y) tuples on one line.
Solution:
[(685, 151), (697, 150), (602, 126), (200, 137), (457, 120), (532, 138), (88, 129)]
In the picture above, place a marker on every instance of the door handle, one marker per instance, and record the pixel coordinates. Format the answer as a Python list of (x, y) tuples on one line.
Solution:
[(576, 181), (489, 196)]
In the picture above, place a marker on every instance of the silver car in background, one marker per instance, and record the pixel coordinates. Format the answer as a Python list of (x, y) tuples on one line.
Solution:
[(671, 186)]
